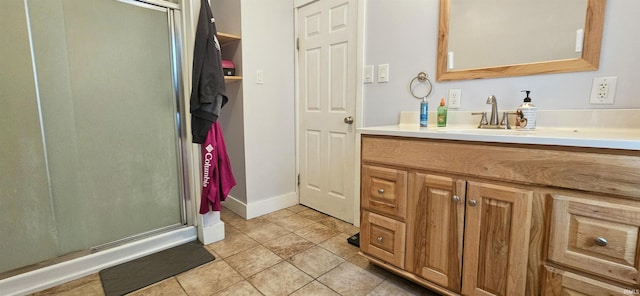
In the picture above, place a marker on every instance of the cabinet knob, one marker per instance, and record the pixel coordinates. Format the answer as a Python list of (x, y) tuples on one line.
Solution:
[(380, 191), (379, 239), (601, 241), (473, 202), (456, 198)]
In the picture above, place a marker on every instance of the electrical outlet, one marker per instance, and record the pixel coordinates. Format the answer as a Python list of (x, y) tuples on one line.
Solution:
[(454, 98), (603, 90)]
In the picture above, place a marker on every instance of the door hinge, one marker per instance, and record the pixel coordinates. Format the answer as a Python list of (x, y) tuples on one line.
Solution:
[(298, 43), (298, 179)]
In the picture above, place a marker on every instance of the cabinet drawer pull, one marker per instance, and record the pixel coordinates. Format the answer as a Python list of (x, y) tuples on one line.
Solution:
[(456, 198), (473, 202), (601, 241), (379, 239), (380, 191)]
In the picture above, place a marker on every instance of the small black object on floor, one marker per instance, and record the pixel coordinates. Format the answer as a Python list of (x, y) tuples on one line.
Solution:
[(133, 275), (354, 239)]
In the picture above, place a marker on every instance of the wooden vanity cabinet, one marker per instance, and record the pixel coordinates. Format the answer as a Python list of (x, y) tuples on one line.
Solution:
[(445, 216), (474, 218)]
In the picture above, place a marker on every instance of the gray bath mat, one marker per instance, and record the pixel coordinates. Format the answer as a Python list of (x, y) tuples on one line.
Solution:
[(133, 275)]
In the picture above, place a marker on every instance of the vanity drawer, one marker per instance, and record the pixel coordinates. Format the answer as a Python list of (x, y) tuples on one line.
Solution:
[(384, 190), (596, 236), (559, 282), (383, 238)]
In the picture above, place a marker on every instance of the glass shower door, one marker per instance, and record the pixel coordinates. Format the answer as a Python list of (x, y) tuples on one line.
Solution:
[(106, 99)]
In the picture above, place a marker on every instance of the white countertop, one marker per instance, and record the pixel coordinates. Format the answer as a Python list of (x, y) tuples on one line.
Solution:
[(614, 138)]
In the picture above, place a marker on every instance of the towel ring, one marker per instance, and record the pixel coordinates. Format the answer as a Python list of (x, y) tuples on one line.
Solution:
[(421, 78)]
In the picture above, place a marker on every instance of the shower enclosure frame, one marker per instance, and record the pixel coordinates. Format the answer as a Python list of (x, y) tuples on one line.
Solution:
[(128, 248)]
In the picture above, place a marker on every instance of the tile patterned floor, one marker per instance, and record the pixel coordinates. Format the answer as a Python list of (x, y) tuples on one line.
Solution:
[(294, 251)]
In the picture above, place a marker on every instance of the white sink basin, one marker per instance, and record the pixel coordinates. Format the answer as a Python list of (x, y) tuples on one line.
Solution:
[(479, 131)]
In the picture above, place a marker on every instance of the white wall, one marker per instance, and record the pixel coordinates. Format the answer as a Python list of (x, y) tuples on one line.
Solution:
[(268, 45), (403, 34)]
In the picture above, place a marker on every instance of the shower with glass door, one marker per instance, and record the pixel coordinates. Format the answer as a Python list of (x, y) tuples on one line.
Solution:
[(92, 150)]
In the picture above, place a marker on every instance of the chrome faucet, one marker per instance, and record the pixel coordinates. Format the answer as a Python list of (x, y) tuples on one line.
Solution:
[(493, 119)]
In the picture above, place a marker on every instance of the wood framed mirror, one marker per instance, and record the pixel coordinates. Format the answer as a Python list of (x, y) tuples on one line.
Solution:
[(585, 37)]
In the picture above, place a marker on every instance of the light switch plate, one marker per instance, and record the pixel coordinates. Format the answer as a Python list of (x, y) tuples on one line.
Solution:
[(383, 73), (367, 74), (259, 77)]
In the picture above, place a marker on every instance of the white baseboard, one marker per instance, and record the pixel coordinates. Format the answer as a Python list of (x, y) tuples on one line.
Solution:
[(261, 207), (54, 275)]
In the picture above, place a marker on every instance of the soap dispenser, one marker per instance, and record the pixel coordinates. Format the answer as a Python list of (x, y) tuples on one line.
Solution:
[(526, 114)]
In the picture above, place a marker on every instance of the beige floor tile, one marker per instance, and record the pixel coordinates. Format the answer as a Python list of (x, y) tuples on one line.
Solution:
[(339, 225), (209, 278), (252, 261), (316, 289), (293, 222), (316, 233), (243, 288), (338, 245), (312, 215), (316, 261), (88, 285), (228, 216), (288, 245), (168, 287), (230, 231), (280, 279), (214, 253), (395, 285), (297, 208), (349, 279), (359, 260), (278, 214), (266, 231), (364, 263), (232, 244), (386, 288), (246, 225)]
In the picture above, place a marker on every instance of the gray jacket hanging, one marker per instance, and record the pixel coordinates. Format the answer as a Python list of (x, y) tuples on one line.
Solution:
[(208, 91)]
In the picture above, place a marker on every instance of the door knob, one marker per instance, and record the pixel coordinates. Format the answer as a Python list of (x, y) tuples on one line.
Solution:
[(473, 202), (348, 120)]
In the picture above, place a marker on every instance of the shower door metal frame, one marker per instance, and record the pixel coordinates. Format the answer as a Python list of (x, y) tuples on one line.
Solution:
[(176, 37)]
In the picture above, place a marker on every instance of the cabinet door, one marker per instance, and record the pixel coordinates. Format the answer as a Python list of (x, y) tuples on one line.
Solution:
[(435, 230), (384, 190), (383, 238), (562, 283), (496, 240)]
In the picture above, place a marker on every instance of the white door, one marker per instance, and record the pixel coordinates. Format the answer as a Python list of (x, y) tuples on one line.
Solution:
[(326, 106)]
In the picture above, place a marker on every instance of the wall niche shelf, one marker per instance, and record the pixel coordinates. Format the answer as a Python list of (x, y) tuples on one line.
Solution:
[(226, 40)]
